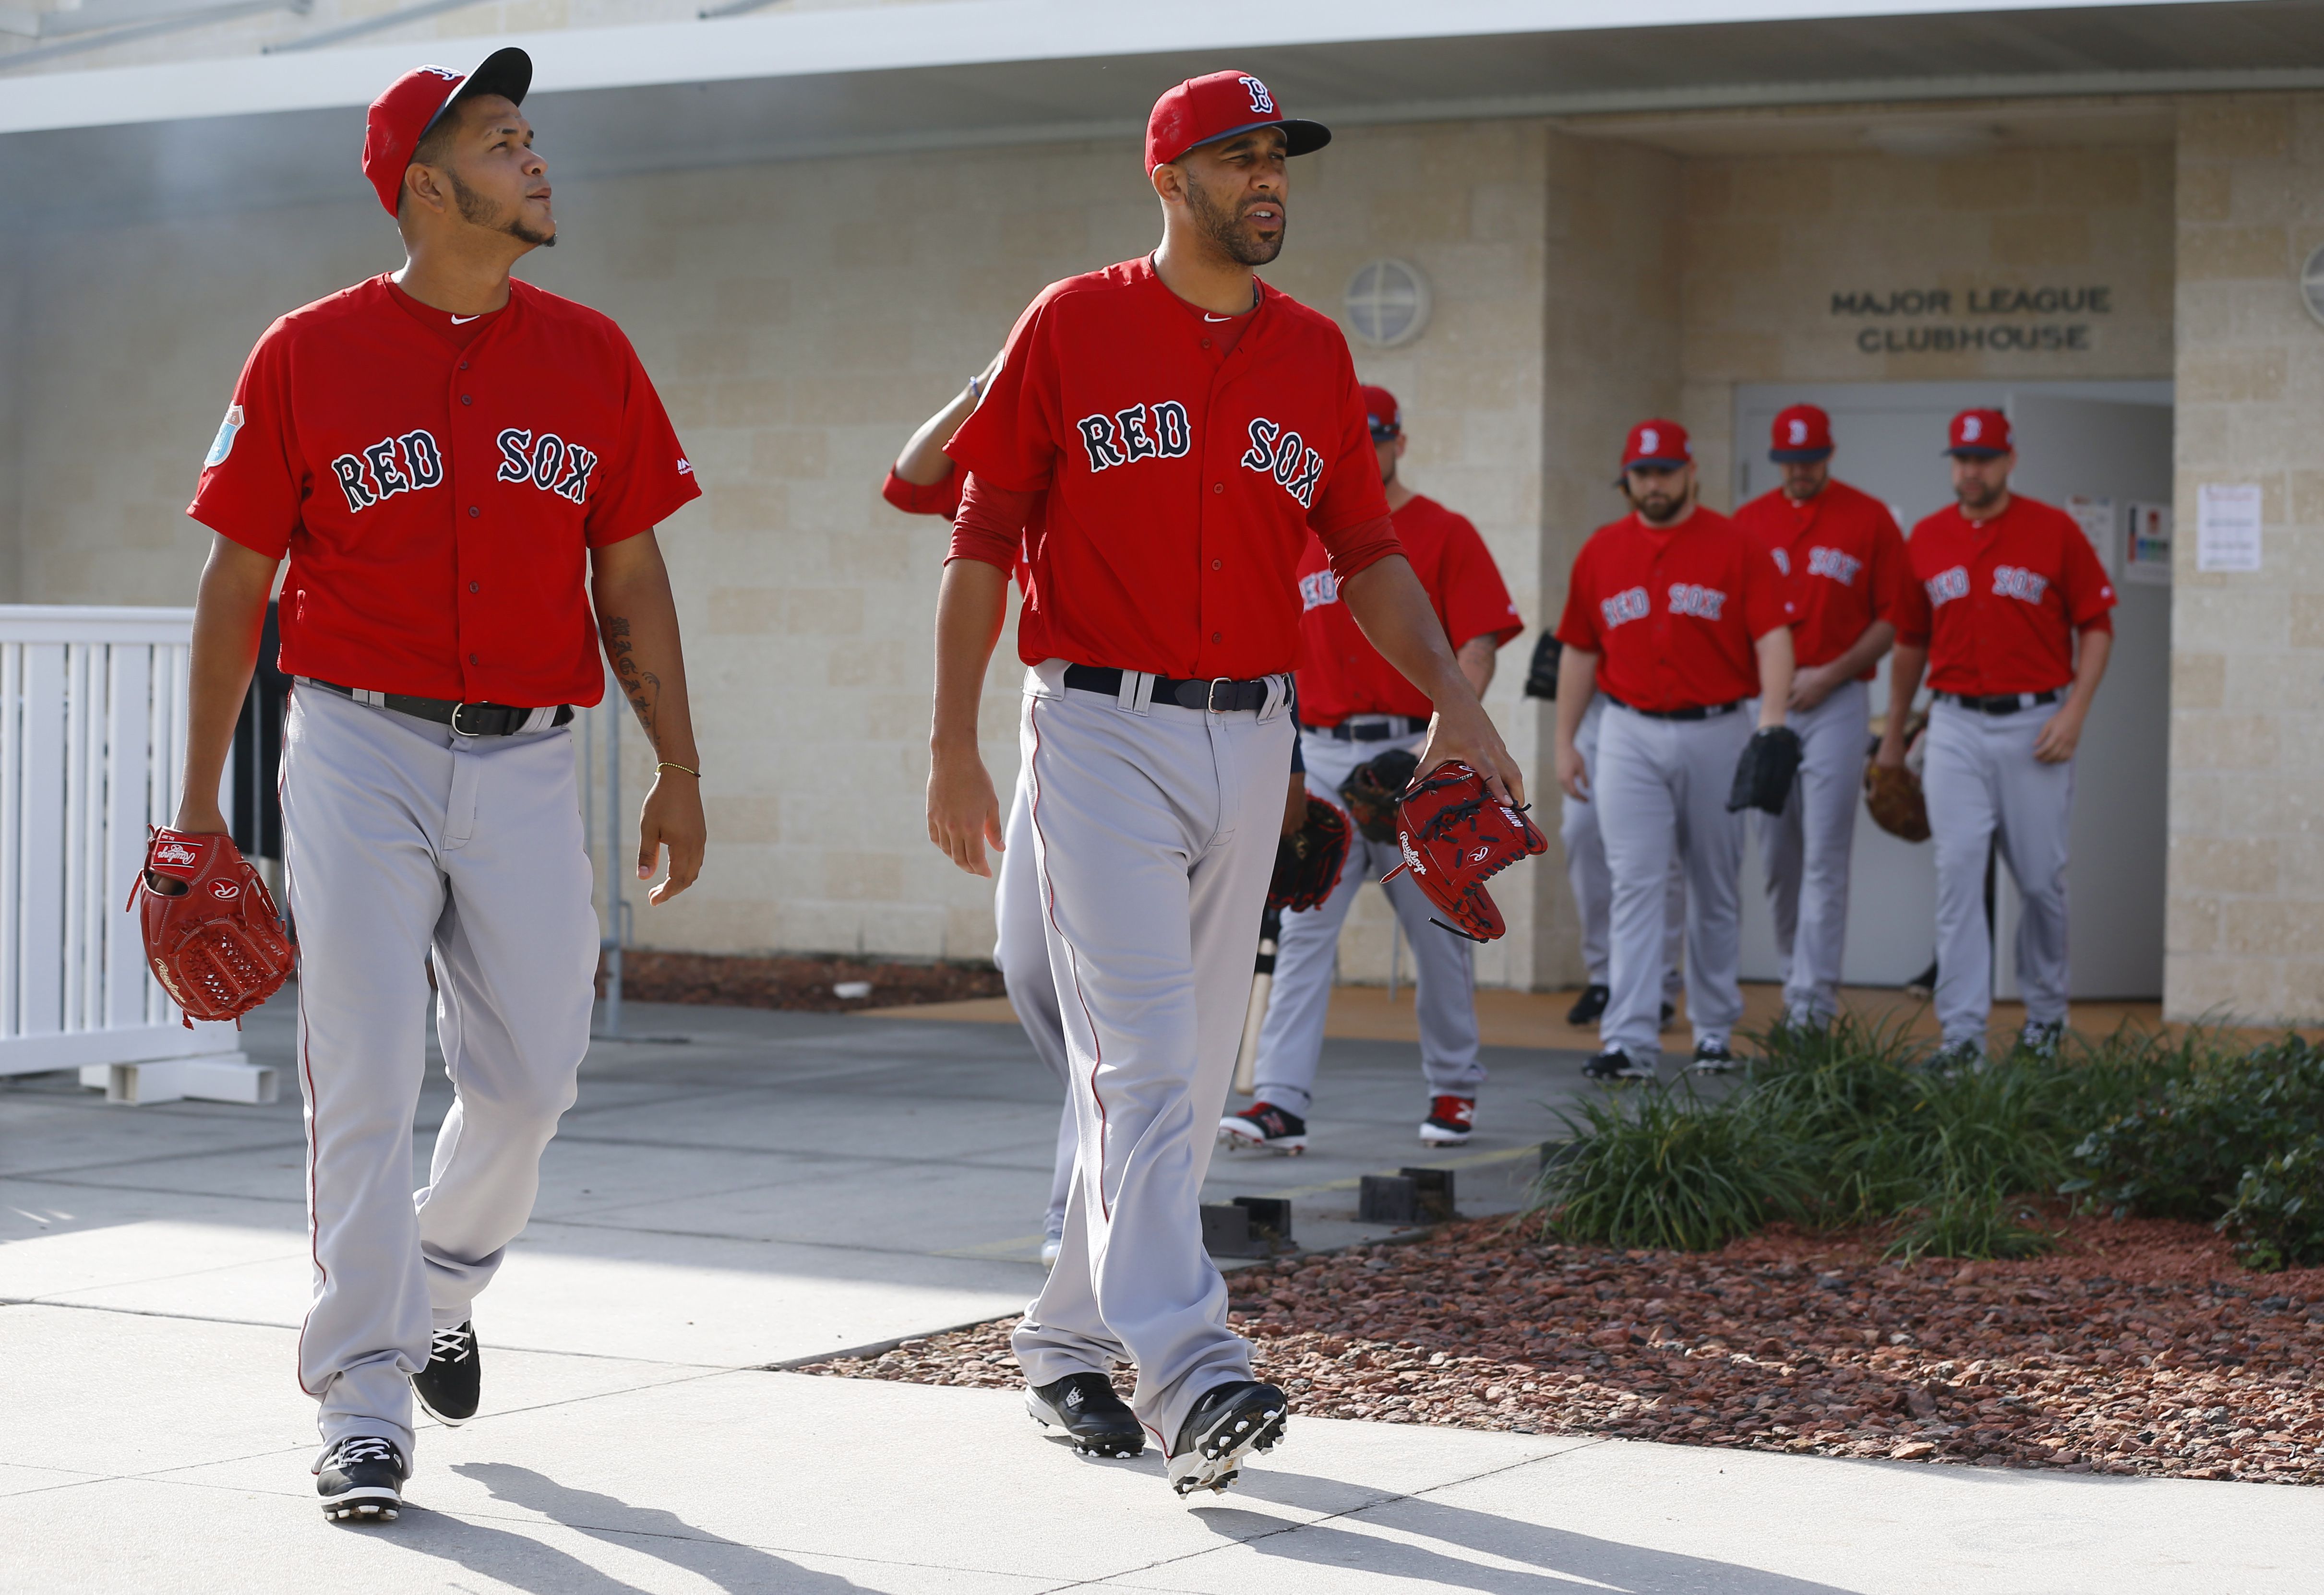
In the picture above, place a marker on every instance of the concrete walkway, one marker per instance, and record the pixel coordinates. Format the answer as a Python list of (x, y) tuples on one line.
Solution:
[(784, 1185)]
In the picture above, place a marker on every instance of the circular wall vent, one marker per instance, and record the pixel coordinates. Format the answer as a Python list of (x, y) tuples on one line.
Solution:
[(2311, 284), (1387, 302)]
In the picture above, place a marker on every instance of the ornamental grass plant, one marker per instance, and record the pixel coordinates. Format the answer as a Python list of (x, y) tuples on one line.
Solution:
[(1845, 1127)]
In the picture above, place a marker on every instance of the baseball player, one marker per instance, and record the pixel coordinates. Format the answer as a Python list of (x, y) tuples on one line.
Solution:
[(1593, 885), (923, 482), (458, 467), (1680, 620), (1846, 559), (1190, 427), (1353, 707), (2007, 611)]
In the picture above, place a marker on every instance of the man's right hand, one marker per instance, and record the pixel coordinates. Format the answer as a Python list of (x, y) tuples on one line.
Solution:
[(1573, 774), (964, 813), (199, 819)]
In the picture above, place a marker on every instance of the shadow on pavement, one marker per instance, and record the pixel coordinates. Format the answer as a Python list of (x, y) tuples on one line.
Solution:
[(648, 1530), (1562, 1555)]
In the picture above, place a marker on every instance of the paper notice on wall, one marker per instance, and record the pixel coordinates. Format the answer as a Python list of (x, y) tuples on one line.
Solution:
[(2146, 545), (2226, 526), (2095, 516)]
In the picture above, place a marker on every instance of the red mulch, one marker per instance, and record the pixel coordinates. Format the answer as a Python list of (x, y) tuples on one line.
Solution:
[(798, 983), (2140, 1347)]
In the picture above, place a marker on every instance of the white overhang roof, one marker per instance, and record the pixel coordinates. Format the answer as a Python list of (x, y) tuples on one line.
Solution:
[(882, 77)]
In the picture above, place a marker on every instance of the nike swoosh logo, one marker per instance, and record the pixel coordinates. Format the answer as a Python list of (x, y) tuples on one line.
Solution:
[(463, 321), (1208, 317)]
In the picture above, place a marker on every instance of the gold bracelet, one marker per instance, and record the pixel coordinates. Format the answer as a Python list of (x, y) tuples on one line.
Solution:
[(667, 764)]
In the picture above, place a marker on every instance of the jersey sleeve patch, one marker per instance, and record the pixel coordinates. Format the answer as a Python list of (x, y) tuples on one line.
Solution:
[(223, 444)]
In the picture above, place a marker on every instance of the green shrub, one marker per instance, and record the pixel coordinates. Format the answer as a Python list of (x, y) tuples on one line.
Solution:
[(2181, 1146), (1840, 1128), (2278, 1216), (1662, 1168)]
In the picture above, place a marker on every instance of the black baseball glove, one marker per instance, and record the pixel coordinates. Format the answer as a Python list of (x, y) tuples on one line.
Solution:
[(1308, 862), (1763, 776), (1371, 789), (1541, 675)]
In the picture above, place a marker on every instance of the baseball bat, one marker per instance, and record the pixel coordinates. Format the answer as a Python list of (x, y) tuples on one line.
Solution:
[(1262, 984)]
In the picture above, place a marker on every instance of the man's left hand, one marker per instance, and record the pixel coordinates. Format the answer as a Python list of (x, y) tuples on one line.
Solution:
[(672, 818), (1810, 686), (1467, 734), (2054, 744)]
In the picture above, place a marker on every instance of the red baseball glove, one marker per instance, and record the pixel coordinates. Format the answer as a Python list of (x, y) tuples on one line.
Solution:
[(1456, 837), (216, 943), (1308, 862)]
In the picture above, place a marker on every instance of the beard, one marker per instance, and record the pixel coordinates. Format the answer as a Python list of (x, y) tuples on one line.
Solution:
[(479, 211), (1223, 226), (1979, 497), (1656, 508)]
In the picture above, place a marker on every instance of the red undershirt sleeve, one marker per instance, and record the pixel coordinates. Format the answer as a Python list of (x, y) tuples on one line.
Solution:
[(990, 526), (1357, 548)]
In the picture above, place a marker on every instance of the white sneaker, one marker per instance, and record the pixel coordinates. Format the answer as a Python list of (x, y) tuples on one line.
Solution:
[(1051, 1245)]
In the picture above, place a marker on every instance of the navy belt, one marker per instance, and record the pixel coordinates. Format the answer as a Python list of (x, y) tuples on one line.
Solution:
[(1377, 728), (2000, 703), (465, 719), (1221, 695), (1690, 712)]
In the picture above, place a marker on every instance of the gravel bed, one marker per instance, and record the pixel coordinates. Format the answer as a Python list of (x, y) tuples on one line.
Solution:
[(2140, 1347), (799, 984)]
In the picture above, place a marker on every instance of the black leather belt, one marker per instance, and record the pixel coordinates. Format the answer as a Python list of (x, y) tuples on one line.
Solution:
[(2000, 703), (1223, 695), (1690, 712), (1376, 728), (464, 719)]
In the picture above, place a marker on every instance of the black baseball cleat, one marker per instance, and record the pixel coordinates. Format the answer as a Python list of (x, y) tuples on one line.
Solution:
[(1614, 1064), (1593, 1003), (1714, 1058), (1084, 1404), (1670, 1012), (2040, 1040), (1229, 1423), (361, 1478), (1451, 1121), (1265, 1128), (453, 1382)]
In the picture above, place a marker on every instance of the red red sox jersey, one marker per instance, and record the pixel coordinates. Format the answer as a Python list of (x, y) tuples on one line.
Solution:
[(1340, 673), (1846, 559), (1183, 476), (1672, 613), (1996, 602), (438, 500)]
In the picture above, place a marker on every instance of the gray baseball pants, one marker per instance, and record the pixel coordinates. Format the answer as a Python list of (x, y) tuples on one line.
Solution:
[(1154, 831), (1291, 1038), (1022, 954), (1984, 785), (1593, 883), (1805, 851), (1660, 788), (403, 842)]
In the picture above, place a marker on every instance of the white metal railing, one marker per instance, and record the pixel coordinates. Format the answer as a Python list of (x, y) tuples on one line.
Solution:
[(92, 736)]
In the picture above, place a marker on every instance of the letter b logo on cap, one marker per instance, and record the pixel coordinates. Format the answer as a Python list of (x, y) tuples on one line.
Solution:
[(1799, 431), (1972, 426), (1262, 104)]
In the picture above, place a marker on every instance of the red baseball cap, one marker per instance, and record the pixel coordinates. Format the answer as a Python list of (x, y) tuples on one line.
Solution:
[(1801, 433), (1980, 433), (1204, 110), (1385, 414), (1656, 443), (401, 117)]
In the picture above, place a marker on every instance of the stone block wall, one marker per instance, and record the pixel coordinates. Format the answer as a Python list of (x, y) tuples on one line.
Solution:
[(2245, 925)]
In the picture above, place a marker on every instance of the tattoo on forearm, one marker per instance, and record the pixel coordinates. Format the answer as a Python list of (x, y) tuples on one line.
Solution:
[(641, 688)]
